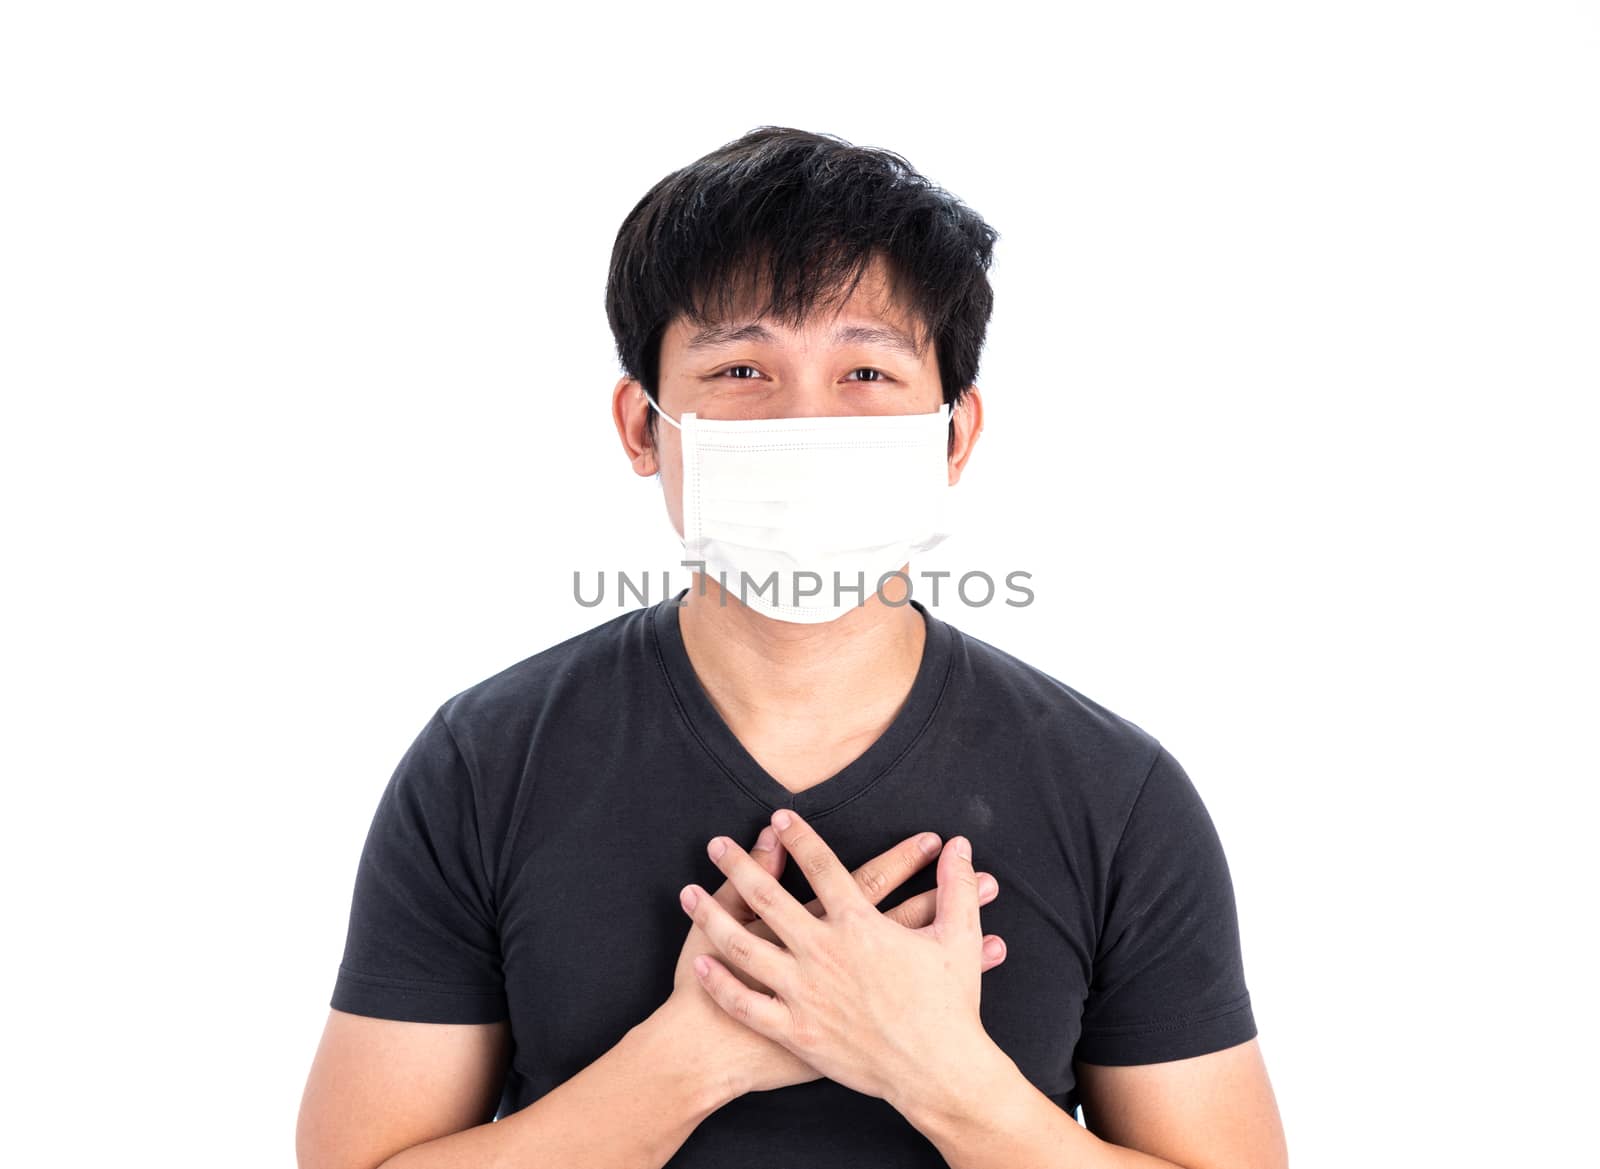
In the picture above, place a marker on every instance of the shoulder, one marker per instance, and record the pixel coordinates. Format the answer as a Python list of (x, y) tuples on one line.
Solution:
[(588, 669), (1048, 705), (1091, 752)]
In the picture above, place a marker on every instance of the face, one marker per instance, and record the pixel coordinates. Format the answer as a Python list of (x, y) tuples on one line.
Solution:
[(856, 361)]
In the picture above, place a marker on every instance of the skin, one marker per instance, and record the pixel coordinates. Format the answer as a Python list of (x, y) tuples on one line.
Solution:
[(776, 682), (421, 1095), (762, 1062), (872, 1001), (851, 994), (893, 1012)]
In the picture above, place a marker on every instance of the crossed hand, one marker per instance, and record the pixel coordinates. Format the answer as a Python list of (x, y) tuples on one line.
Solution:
[(835, 987)]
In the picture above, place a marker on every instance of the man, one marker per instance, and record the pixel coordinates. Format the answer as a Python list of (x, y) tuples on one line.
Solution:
[(564, 920)]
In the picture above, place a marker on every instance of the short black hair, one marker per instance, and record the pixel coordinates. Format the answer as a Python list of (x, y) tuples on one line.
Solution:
[(803, 215)]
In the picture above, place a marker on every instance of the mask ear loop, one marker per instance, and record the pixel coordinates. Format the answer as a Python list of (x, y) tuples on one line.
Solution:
[(660, 411)]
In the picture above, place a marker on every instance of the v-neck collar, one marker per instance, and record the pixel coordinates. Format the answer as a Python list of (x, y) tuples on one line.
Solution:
[(738, 765)]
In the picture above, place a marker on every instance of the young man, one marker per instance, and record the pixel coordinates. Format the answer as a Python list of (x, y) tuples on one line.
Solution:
[(564, 920)]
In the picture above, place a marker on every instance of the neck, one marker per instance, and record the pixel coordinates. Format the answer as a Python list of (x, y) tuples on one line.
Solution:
[(771, 677)]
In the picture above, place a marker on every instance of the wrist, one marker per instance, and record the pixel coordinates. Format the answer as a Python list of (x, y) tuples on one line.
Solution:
[(669, 1038), (964, 1091)]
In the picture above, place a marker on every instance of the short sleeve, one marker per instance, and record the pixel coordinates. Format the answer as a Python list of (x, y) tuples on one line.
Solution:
[(1168, 978), (422, 943)]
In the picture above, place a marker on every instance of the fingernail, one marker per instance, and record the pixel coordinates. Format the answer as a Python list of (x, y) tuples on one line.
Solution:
[(987, 885), (781, 820), (764, 841), (928, 842), (994, 947), (716, 848), (687, 897), (963, 848)]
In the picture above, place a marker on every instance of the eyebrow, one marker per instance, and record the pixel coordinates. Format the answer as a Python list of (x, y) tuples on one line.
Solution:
[(715, 335)]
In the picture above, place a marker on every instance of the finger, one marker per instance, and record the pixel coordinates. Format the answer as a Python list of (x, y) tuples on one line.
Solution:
[(994, 951), (887, 871), (755, 956), (769, 854), (916, 912), (827, 876), (761, 892), (956, 912), (760, 1012)]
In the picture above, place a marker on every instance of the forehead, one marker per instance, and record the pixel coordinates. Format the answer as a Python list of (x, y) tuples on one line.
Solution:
[(870, 315)]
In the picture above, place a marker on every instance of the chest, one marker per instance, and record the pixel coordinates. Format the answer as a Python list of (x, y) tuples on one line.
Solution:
[(591, 927)]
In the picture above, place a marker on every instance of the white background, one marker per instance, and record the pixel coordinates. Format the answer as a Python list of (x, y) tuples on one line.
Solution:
[(306, 387)]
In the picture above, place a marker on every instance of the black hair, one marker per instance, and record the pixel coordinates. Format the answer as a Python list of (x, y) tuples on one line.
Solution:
[(802, 215)]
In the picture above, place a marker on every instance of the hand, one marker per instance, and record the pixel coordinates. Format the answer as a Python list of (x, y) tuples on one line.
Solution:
[(856, 995), (752, 1062)]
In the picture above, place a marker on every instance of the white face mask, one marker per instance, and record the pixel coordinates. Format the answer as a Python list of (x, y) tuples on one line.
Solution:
[(814, 501)]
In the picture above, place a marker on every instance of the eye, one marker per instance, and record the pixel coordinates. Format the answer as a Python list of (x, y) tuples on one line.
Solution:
[(753, 373)]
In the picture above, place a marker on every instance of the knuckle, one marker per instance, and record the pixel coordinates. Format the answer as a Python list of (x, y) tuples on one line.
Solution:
[(816, 864), (874, 881), (764, 896), (856, 914)]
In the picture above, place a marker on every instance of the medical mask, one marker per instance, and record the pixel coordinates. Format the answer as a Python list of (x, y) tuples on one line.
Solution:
[(829, 505)]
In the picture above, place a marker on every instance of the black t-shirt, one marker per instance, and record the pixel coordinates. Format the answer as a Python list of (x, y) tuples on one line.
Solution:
[(525, 859)]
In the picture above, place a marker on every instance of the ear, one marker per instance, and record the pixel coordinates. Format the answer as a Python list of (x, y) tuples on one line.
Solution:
[(968, 421), (630, 411)]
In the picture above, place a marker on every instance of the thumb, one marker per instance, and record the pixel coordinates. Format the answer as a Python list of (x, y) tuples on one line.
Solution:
[(957, 897)]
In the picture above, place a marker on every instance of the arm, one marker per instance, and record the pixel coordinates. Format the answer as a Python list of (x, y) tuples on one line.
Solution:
[(421, 1096), (414, 1053), (1168, 1063), (1209, 1110), (1213, 1111)]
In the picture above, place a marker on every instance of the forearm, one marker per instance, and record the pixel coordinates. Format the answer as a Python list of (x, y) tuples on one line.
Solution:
[(630, 1109), (994, 1118)]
